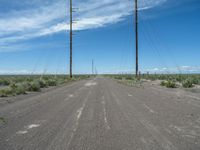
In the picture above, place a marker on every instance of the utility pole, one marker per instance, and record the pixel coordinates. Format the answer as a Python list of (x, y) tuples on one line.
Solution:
[(136, 38), (71, 38), (92, 67), (96, 71)]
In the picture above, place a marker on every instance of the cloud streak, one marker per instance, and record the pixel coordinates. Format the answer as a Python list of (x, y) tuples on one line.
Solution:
[(40, 18)]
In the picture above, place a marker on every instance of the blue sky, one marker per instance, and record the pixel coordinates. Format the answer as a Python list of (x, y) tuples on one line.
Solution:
[(34, 36)]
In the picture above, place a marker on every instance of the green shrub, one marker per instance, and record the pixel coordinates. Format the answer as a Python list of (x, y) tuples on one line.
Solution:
[(29, 79), (118, 77), (6, 92), (168, 84), (20, 89), (43, 83), (130, 78), (35, 86), (188, 83), (4, 82), (195, 80), (17, 89), (3, 120), (163, 83), (26, 85), (13, 86), (171, 84), (51, 82)]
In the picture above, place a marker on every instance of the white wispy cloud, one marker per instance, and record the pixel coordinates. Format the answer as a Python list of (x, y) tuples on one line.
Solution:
[(43, 17), (179, 69)]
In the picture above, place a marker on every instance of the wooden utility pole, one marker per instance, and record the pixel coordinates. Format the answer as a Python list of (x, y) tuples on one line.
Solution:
[(71, 38), (136, 38), (92, 67)]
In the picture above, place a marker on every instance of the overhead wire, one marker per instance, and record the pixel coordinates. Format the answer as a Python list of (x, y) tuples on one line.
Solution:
[(154, 47), (156, 36)]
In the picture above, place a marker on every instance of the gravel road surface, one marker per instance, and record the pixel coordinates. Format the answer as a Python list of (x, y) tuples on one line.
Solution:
[(101, 114)]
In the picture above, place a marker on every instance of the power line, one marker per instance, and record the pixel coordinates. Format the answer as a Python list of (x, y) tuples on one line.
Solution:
[(157, 39)]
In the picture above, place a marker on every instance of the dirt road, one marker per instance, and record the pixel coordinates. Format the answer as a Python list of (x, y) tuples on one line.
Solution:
[(101, 114)]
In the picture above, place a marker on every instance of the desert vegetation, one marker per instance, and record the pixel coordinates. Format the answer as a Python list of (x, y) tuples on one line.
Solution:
[(167, 80), (17, 85)]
